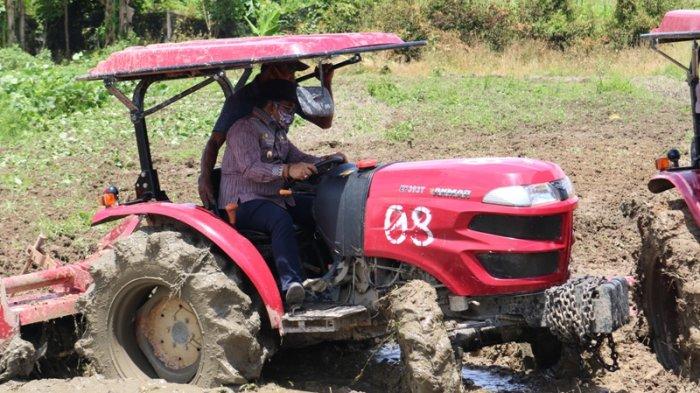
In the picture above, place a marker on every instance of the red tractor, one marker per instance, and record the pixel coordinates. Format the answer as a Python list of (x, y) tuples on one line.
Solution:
[(177, 292), (669, 265)]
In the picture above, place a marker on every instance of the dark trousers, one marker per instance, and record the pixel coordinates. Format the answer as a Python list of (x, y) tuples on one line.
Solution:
[(265, 216)]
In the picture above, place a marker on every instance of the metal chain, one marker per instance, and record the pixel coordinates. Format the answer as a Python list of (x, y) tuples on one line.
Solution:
[(568, 313)]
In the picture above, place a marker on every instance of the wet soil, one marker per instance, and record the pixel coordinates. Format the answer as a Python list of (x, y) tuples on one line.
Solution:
[(609, 157)]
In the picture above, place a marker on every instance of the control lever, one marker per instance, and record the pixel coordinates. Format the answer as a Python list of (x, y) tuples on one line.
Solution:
[(355, 59)]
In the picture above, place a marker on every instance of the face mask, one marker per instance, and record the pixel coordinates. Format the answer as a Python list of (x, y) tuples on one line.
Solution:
[(285, 117)]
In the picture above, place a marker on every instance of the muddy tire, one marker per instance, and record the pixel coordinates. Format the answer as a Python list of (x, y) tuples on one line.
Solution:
[(426, 351), (669, 284), (163, 305)]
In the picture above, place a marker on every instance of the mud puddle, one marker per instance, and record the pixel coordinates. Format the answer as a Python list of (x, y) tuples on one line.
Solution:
[(474, 377)]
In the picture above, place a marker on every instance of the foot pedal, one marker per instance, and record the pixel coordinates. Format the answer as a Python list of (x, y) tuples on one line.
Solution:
[(325, 319)]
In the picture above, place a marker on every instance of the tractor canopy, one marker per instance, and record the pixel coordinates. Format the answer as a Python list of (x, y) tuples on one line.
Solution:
[(204, 57), (211, 59), (678, 25)]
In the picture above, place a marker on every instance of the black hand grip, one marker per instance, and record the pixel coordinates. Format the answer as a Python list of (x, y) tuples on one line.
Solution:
[(355, 59)]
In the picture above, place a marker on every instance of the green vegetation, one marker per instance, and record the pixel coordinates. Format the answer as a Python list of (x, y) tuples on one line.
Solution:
[(34, 92), (66, 27)]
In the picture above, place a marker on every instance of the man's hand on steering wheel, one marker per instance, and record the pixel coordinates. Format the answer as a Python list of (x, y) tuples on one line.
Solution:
[(337, 154), (300, 170)]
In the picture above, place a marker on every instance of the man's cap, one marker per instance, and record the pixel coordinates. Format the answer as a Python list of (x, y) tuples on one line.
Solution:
[(278, 90), (292, 65)]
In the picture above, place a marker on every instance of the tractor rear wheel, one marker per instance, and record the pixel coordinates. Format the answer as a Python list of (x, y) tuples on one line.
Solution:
[(669, 284), (163, 305)]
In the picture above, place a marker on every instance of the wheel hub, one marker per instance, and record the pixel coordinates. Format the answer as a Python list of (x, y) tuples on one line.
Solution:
[(171, 330)]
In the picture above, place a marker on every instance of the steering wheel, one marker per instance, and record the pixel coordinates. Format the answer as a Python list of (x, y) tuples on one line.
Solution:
[(327, 165)]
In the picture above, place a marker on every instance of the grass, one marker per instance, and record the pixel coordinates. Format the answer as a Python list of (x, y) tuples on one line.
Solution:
[(529, 58), (495, 103)]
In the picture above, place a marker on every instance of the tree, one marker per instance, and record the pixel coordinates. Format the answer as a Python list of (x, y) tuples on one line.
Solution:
[(22, 24), (66, 25), (109, 30), (125, 13), (10, 10)]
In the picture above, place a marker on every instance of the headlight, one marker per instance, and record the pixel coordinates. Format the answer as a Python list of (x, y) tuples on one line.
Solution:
[(532, 195)]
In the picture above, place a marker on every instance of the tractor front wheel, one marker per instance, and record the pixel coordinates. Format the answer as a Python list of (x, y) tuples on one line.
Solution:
[(163, 305), (669, 287)]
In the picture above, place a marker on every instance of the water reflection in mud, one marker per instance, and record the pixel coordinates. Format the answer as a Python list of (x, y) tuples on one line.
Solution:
[(473, 376)]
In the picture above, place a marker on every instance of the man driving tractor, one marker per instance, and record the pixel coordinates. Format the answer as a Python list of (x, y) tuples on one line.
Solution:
[(246, 180), (241, 104), (259, 159)]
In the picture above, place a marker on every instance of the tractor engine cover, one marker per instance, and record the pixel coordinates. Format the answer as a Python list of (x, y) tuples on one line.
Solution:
[(339, 209), (433, 215)]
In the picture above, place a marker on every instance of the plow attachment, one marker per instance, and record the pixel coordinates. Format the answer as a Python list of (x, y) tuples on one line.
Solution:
[(41, 296), (50, 294)]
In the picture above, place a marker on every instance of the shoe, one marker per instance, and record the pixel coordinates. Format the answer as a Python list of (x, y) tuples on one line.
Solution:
[(295, 294)]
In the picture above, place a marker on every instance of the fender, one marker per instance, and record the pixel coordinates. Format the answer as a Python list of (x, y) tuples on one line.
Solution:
[(687, 182), (239, 249)]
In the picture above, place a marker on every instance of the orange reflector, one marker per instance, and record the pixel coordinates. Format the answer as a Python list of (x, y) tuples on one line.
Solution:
[(367, 164), (108, 200), (663, 163)]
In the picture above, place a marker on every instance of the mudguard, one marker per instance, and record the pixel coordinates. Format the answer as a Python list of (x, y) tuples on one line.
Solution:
[(239, 249), (687, 182)]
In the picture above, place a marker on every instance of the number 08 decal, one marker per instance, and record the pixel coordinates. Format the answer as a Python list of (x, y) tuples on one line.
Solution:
[(396, 225)]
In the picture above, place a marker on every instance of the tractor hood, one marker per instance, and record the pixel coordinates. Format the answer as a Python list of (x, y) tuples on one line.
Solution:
[(345, 197), (473, 177)]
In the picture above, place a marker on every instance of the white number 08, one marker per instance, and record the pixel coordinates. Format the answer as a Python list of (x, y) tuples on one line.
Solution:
[(396, 225)]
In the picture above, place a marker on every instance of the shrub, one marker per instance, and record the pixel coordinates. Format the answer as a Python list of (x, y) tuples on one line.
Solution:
[(343, 16), (634, 17), (484, 20), (406, 18), (33, 90), (554, 21)]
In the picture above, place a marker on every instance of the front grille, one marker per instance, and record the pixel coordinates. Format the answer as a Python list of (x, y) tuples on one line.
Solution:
[(519, 265), (519, 227)]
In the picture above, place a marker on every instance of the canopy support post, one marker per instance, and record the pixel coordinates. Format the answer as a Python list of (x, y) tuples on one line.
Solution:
[(179, 96), (693, 84), (147, 185), (654, 46), (109, 85), (242, 80)]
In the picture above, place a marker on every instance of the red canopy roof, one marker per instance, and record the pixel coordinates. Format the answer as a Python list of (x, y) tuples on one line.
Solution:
[(202, 56), (678, 25), (679, 21)]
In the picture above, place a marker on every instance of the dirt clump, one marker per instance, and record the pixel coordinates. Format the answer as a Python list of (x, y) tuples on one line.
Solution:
[(426, 350), (17, 359)]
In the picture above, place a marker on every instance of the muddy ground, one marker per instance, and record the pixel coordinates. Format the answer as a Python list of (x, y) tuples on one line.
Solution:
[(609, 156)]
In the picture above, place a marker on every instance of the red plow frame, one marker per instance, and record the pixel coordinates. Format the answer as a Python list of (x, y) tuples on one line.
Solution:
[(49, 294)]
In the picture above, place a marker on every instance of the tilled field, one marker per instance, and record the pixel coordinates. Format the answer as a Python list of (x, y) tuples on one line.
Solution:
[(608, 153)]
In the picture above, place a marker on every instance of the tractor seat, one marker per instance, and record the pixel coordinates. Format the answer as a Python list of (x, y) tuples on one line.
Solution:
[(256, 237)]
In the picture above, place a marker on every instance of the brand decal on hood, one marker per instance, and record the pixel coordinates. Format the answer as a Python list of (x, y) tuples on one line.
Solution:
[(451, 192), (411, 189)]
